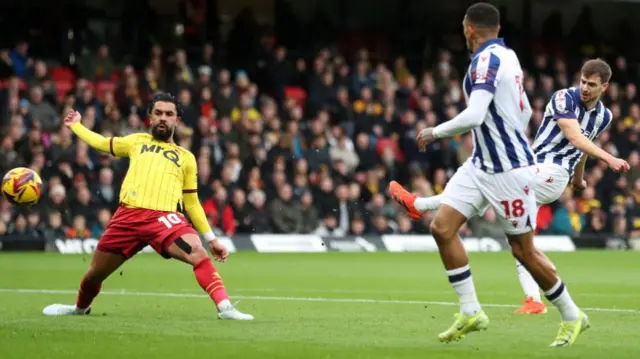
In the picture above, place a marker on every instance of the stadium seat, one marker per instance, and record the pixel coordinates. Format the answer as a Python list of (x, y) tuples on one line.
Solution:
[(62, 74), (104, 86), (390, 143), (296, 93), (63, 87), (115, 76)]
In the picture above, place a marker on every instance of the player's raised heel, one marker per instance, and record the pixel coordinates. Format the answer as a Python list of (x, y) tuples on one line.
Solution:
[(569, 331), (228, 312), (531, 306), (463, 325), (64, 309)]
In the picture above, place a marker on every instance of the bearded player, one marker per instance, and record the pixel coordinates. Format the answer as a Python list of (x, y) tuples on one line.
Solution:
[(573, 119), (160, 183)]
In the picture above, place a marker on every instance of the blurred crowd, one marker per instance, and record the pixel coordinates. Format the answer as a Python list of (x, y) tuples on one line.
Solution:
[(303, 145)]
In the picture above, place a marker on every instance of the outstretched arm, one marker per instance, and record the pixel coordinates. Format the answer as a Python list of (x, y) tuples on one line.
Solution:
[(471, 117), (117, 146), (571, 130)]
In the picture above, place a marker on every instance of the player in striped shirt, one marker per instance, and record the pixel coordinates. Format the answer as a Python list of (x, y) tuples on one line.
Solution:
[(573, 119), (501, 173)]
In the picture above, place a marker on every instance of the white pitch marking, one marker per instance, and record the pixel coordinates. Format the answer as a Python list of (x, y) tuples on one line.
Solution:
[(292, 299)]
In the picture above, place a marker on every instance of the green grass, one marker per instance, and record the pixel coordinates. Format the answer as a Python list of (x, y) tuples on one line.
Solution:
[(306, 307)]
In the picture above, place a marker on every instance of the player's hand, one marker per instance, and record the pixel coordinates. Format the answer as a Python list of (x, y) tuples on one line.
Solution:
[(579, 185), (424, 138), (71, 118), (220, 253), (618, 165)]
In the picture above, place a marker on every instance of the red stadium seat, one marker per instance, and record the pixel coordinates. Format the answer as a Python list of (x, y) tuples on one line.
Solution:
[(22, 83), (391, 143), (63, 87), (296, 93), (62, 74), (115, 76), (103, 87)]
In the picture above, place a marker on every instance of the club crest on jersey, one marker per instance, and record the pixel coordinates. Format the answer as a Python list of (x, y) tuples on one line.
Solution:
[(171, 155), (561, 101)]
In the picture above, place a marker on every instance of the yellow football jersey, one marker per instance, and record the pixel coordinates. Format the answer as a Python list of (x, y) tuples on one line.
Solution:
[(158, 173), (162, 176)]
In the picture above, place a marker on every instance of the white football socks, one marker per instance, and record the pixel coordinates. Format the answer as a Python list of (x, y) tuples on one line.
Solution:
[(462, 283), (529, 285), (424, 204), (559, 296)]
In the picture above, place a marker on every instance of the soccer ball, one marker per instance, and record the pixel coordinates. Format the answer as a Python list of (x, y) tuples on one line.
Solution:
[(22, 186)]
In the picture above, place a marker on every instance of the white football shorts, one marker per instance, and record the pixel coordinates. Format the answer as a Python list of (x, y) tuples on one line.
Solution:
[(511, 194), (551, 181)]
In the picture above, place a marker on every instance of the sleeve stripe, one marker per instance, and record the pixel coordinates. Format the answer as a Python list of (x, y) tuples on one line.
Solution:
[(487, 87), (189, 191), (111, 147)]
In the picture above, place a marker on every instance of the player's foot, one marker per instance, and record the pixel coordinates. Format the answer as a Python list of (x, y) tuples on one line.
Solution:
[(227, 311), (531, 306), (569, 331), (405, 199), (64, 309), (464, 324)]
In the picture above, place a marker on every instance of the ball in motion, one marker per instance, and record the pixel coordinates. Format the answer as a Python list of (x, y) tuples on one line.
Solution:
[(22, 186)]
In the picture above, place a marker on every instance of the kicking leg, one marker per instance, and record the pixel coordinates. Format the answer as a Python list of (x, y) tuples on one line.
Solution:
[(574, 321), (471, 317), (102, 265), (414, 205), (188, 248)]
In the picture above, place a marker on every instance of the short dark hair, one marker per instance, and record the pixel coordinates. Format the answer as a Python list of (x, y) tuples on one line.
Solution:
[(483, 15), (165, 97), (597, 67)]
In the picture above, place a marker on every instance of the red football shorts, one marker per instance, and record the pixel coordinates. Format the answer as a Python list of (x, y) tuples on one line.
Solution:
[(132, 229)]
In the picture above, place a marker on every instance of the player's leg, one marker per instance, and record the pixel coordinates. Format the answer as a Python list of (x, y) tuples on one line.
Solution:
[(551, 180), (414, 205), (103, 263), (118, 243), (461, 200), (516, 208), (574, 321), (185, 245)]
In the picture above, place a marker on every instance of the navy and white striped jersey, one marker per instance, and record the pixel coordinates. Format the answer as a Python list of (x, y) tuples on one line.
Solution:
[(500, 142), (550, 145)]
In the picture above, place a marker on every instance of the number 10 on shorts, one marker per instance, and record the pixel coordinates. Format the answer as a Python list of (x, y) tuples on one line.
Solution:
[(170, 219)]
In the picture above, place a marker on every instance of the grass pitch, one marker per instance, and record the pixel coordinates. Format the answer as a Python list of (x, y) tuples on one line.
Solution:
[(329, 305)]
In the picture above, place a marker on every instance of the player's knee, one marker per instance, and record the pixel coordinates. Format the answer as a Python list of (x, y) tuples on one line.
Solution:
[(441, 230), (198, 254)]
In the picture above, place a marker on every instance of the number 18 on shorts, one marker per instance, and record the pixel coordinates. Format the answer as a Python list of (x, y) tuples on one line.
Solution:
[(511, 194)]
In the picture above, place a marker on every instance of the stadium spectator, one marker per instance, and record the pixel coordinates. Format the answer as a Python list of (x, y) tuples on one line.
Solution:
[(301, 142)]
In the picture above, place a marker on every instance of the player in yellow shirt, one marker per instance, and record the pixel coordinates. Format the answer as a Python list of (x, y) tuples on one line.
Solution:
[(160, 184)]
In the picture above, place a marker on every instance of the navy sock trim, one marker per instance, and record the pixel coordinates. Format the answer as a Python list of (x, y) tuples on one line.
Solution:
[(553, 296), (459, 277)]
